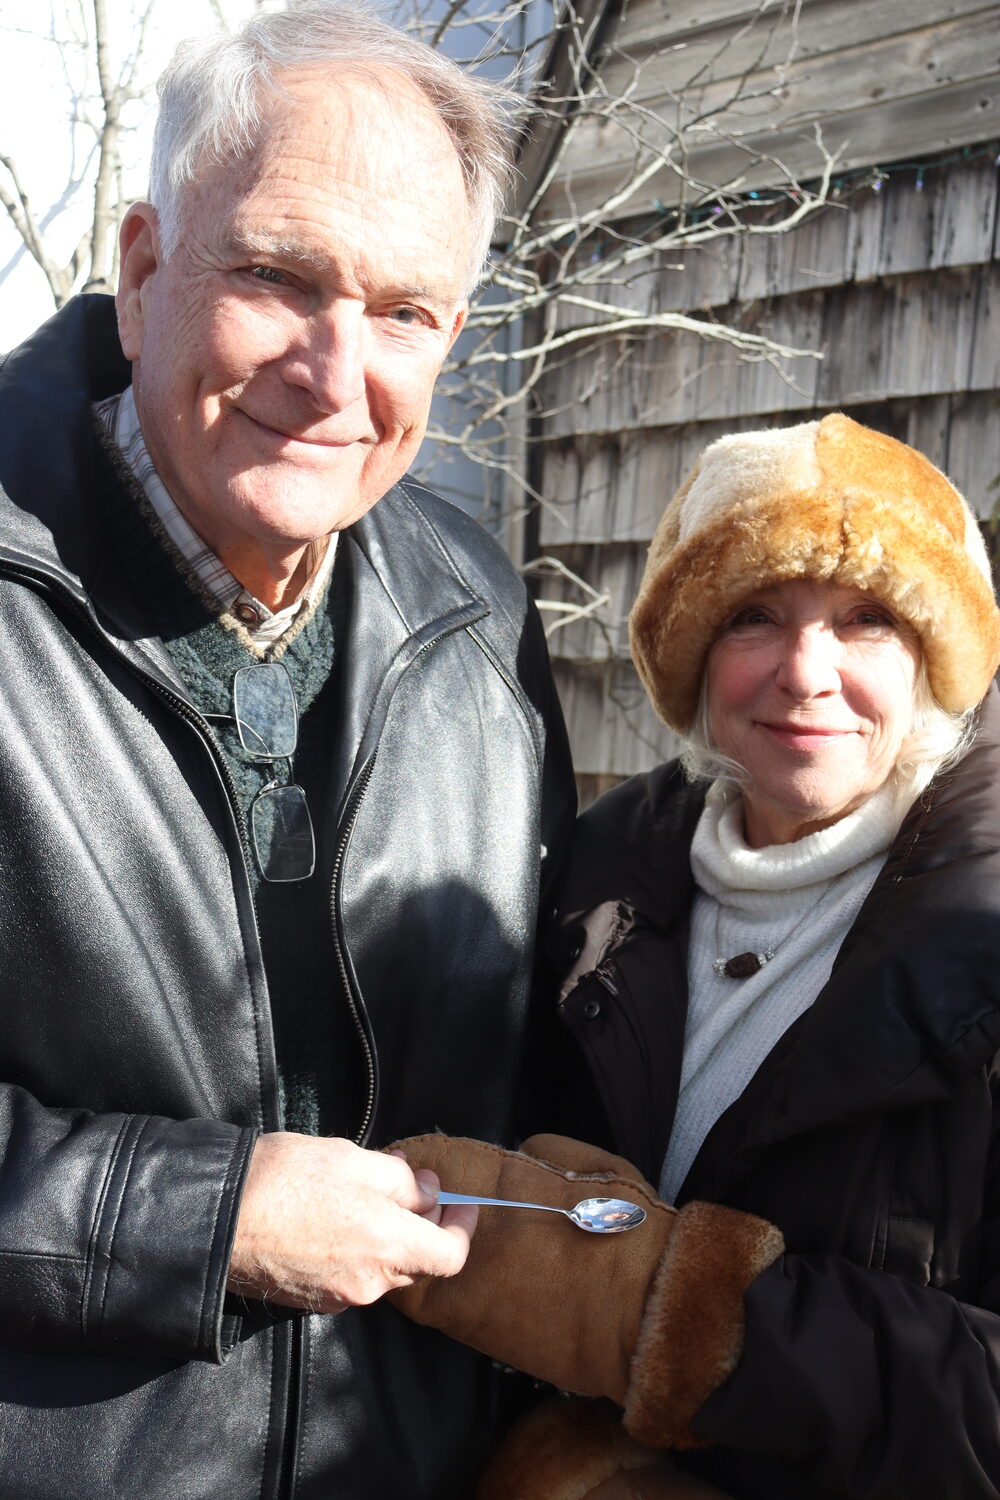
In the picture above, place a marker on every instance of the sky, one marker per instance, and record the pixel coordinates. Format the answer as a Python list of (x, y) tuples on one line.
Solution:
[(42, 63)]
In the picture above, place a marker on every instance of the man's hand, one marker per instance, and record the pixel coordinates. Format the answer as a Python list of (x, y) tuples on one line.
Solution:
[(324, 1225)]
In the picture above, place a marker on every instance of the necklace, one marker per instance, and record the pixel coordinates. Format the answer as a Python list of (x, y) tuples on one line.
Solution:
[(744, 965)]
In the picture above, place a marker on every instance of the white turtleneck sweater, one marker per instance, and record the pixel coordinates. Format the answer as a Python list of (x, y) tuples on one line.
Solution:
[(798, 899)]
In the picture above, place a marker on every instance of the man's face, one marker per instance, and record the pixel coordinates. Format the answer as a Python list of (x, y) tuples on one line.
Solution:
[(285, 353)]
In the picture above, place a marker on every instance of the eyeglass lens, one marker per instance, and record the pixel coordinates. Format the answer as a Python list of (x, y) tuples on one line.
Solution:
[(265, 712), (267, 721), (283, 834)]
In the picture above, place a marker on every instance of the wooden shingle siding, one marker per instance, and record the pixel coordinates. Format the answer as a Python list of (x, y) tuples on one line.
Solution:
[(898, 289), (933, 333), (882, 82), (860, 236), (713, 30), (612, 489), (911, 349), (613, 729)]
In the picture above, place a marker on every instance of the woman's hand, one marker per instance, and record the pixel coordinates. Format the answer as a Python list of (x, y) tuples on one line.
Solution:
[(536, 1293), (651, 1318)]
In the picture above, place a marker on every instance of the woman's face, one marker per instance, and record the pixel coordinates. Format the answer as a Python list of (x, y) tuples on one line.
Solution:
[(811, 690)]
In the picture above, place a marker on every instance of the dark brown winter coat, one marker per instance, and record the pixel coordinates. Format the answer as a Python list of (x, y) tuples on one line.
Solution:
[(868, 1136)]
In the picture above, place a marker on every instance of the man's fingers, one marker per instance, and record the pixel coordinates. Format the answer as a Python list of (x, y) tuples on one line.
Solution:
[(428, 1180), (390, 1173), (457, 1218), (460, 1219), (324, 1224), (414, 1191), (440, 1249)]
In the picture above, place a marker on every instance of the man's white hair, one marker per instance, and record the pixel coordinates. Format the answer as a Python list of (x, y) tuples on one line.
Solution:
[(215, 91)]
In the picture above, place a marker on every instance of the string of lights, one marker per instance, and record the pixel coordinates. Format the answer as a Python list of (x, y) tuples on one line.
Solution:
[(873, 178)]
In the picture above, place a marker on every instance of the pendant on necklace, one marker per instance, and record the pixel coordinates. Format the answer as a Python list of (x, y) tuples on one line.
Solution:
[(743, 965)]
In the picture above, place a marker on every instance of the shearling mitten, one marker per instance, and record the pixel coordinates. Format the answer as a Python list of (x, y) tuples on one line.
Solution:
[(651, 1319), (578, 1450)]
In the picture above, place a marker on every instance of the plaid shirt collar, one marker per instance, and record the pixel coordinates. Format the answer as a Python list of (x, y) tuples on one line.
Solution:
[(121, 420)]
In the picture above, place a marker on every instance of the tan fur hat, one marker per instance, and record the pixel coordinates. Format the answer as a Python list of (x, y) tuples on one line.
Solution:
[(829, 500)]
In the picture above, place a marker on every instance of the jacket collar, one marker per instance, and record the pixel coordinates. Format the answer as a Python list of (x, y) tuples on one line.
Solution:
[(48, 512), (912, 1003)]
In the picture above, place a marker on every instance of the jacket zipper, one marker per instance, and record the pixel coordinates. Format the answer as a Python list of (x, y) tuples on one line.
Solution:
[(355, 1001)]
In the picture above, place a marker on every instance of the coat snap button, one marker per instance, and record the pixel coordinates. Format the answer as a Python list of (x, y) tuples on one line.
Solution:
[(591, 1009)]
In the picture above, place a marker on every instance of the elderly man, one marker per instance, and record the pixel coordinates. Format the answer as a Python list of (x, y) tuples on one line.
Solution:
[(280, 756)]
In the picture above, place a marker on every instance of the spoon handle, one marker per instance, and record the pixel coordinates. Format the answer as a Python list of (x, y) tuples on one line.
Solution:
[(444, 1197)]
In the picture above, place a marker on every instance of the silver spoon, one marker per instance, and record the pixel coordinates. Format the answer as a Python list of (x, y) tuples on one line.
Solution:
[(596, 1215)]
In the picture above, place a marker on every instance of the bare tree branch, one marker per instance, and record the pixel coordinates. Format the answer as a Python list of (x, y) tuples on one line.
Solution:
[(107, 169), (588, 606), (21, 216), (97, 91)]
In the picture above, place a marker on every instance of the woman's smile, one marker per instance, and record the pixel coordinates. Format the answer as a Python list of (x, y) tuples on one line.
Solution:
[(806, 736), (810, 693)]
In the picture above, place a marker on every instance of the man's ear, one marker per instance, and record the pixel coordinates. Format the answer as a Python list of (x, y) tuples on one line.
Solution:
[(459, 323), (139, 246)]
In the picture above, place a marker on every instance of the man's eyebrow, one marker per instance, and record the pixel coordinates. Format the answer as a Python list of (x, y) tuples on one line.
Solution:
[(252, 245)]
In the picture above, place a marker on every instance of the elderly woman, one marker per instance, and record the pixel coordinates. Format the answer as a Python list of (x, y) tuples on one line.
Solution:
[(780, 1000)]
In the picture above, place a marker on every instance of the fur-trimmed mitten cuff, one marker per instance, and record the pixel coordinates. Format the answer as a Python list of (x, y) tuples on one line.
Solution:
[(693, 1322), (578, 1450)]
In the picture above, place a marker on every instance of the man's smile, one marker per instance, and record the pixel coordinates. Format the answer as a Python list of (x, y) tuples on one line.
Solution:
[(288, 434)]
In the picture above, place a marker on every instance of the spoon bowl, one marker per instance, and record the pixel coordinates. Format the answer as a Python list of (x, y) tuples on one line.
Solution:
[(595, 1215)]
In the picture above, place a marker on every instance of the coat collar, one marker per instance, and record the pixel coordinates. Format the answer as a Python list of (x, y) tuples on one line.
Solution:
[(913, 1001), (48, 511)]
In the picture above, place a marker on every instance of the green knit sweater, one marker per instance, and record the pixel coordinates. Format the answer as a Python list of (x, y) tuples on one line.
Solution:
[(312, 1044)]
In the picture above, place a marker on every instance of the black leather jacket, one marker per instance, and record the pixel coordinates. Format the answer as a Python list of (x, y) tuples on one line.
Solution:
[(135, 1041)]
